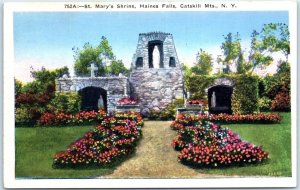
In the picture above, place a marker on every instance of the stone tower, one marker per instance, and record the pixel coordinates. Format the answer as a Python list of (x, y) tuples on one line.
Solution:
[(156, 78)]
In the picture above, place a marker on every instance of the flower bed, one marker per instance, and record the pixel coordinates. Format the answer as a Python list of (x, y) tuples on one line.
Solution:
[(196, 103), (82, 117), (115, 138), (128, 101), (205, 144), (235, 118)]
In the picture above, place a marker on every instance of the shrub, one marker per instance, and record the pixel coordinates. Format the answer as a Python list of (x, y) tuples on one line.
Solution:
[(168, 113), (68, 102), (244, 98), (196, 84), (205, 144), (114, 139), (278, 88), (281, 102), (264, 104), (22, 116)]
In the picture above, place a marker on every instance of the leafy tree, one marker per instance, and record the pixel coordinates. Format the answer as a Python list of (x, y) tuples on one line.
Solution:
[(117, 67), (242, 66), (44, 80), (204, 65), (274, 37), (89, 54), (231, 49), (258, 55), (186, 70)]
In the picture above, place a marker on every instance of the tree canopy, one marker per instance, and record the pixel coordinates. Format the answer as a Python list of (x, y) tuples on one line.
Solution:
[(231, 48), (99, 55), (274, 37), (204, 64)]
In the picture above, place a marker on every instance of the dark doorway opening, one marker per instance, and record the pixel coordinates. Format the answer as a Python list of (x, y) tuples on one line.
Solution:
[(219, 99), (90, 98), (139, 62), (151, 46), (172, 62)]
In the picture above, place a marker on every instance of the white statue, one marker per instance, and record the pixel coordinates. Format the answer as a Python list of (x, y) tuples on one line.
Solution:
[(213, 100), (156, 57), (100, 102)]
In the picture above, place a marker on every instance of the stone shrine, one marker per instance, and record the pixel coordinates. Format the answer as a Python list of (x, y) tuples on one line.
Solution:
[(156, 83), (156, 78)]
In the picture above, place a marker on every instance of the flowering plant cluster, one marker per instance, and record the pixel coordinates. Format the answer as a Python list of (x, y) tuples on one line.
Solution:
[(281, 102), (196, 102), (127, 101), (235, 118), (206, 144), (115, 138), (31, 98), (79, 118)]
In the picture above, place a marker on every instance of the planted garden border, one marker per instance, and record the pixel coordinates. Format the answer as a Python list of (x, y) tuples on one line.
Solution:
[(206, 144), (114, 139)]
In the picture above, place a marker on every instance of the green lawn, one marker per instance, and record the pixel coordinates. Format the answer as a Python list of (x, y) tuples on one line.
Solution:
[(35, 148), (275, 139)]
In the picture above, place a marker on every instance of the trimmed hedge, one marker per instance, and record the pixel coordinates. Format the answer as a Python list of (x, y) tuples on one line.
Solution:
[(244, 98)]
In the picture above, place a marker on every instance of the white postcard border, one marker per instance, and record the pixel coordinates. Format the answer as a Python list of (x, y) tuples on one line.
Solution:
[(9, 134)]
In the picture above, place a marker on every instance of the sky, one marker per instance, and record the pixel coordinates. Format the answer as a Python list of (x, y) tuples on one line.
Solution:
[(47, 38)]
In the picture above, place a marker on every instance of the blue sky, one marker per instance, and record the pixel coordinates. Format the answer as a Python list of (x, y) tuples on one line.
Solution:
[(46, 38)]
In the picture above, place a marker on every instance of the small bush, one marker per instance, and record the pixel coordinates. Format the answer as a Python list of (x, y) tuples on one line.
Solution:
[(281, 102), (168, 113), (264, 103), (65, 103), (22, 116)]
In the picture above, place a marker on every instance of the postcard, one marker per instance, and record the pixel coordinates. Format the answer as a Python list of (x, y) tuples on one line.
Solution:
[(170, 94)]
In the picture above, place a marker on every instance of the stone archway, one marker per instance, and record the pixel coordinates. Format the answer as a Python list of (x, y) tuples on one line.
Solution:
[(90, 98), (219, 99)]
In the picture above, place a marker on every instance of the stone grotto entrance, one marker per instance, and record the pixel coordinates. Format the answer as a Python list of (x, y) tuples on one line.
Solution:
[(219, 99), (93, 98)]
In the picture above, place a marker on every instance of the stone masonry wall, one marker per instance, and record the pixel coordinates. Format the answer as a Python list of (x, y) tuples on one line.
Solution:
[(116, 87), (156, 88)]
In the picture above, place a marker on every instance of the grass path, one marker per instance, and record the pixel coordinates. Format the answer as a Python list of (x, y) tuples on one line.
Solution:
[(155, 157)]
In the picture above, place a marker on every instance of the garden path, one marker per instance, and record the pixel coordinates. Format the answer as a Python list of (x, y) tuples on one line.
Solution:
[(155, 157)]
